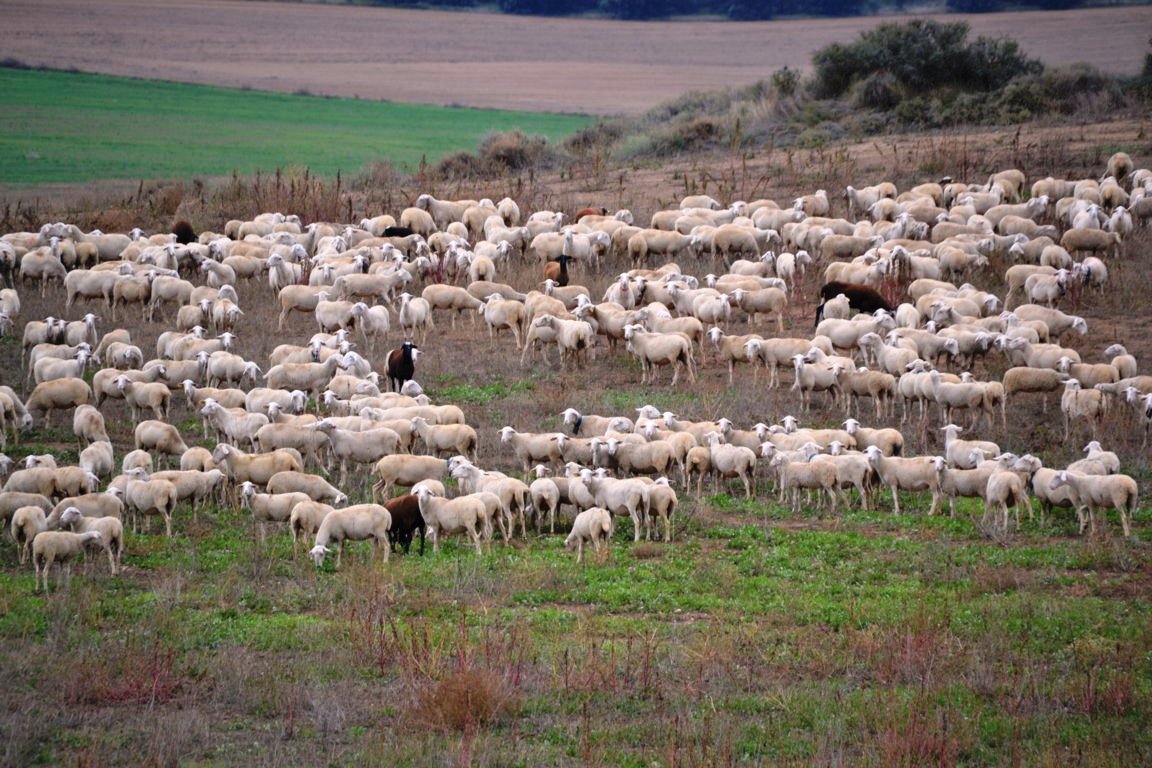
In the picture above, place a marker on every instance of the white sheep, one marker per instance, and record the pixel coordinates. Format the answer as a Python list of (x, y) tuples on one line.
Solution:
[(406, 470), (57, 547), (593, 524), (158, 437), (111, 532), (1077, 403), (356, 523), (447, 516), (908, 474), (1090, 493), (655, 349)]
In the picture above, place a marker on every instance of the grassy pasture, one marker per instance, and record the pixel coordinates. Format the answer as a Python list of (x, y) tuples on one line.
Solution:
[(757, 637), (60, 127)]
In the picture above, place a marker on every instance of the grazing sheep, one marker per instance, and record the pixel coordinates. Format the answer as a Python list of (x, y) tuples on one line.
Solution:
[(593, 524), (58, 394), (356, 523), (57, 547)]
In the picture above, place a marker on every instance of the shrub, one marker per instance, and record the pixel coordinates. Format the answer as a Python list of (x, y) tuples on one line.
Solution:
[(920, 55)]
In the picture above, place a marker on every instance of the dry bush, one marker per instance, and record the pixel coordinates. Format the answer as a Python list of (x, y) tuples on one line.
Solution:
[(465, 700)]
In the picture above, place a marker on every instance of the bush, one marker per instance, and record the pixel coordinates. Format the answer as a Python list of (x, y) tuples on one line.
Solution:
[(920, 55)]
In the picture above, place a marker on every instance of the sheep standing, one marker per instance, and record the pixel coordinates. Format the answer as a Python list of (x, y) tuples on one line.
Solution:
[(57, 547)]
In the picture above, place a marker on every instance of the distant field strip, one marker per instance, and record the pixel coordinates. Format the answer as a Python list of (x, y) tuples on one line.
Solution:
[(59, 127)]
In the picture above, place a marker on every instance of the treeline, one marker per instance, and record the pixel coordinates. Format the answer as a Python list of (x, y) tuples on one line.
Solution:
[(737, 10)]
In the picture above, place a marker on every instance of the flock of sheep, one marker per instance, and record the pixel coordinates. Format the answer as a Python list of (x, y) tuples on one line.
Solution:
[(386, 277)]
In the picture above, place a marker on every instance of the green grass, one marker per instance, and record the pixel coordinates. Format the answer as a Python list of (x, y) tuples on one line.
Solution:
[(69, 127), (893, 640)]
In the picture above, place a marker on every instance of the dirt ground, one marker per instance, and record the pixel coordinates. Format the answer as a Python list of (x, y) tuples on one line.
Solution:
[(485, 60)]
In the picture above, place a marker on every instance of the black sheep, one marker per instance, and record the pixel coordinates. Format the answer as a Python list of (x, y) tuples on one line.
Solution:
[(862, 298), (396, 232), (402, 364), (406, 522), (184, 232)]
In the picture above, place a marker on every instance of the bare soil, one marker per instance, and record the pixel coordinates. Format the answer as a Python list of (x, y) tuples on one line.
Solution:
[(487, 60)]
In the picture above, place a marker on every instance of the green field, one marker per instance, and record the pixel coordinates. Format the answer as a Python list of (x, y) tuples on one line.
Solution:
[(61, 127), (756, 638)]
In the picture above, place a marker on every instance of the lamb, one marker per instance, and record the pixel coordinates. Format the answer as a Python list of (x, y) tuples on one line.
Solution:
[(57, 546), (447, 516), (1089, 492), (593, 524), (407, 471), (355, 523), (110, 529), (913, 474)]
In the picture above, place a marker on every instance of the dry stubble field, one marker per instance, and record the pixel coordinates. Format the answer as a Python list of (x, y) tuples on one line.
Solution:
[(486, 60)]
